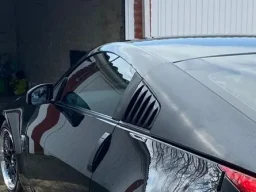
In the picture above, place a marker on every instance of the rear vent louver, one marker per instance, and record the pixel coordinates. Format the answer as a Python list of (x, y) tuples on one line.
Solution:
[(142, 109)]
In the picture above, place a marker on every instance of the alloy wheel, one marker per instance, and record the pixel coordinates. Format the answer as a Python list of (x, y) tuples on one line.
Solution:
[(8, 159)]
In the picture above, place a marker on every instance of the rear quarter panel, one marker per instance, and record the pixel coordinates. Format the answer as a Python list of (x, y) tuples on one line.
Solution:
[(196, 118), (18, 114)]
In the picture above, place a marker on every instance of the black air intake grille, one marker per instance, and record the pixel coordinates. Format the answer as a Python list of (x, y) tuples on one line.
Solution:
[(142, 109)]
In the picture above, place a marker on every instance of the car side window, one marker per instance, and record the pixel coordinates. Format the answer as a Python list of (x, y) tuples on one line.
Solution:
[(98, 83)]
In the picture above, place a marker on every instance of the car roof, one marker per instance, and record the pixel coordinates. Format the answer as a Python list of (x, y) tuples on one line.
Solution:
[(177, 49), (145, 54), (192, 114)]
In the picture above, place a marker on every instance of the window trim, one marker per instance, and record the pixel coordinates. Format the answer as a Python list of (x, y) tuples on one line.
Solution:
[(91, 53), (119, 109), (127, 96), (91, 113)]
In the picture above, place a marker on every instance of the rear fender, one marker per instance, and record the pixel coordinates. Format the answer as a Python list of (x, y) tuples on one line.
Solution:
[(14, 120), (2, 119)]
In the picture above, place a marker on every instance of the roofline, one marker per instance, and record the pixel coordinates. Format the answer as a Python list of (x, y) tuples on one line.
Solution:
[(205, 36), (194, 36), (218, 55), (200, 37)]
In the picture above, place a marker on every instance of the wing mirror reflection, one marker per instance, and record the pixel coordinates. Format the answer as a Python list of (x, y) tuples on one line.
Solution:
[(40, 94)]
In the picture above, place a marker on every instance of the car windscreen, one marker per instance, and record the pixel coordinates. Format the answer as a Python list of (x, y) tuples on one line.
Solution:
[(231, 77)]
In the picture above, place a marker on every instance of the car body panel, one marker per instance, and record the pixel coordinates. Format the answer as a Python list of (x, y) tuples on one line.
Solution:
[(18, 114), (139, 58), (187, 140), (63, 139), (56, 161), (203, 116), (149, 165)]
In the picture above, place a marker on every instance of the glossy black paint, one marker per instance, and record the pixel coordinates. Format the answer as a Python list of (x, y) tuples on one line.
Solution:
[(60, 144), (133, 165), (215, 120)]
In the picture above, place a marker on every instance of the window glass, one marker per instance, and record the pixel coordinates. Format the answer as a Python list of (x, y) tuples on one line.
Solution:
[(98, 83)]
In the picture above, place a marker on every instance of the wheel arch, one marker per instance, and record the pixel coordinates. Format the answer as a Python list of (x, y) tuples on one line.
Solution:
[(13, 118), (2, 119)]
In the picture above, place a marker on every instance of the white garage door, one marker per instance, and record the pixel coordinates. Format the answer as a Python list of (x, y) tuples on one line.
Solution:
[(203, 17)]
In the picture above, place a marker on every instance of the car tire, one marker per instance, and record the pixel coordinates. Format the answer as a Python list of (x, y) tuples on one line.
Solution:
[(8, 160)]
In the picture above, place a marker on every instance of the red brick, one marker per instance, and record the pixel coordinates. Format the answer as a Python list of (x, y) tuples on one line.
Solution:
[(137, 6), (138, 18), (138, 30)]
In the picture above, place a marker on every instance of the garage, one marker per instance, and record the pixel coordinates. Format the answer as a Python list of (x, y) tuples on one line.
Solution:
[(200, 17), (45, 38)]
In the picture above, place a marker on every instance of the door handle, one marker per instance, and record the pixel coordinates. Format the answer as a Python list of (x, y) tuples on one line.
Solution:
[(99, 152), (138, 137)]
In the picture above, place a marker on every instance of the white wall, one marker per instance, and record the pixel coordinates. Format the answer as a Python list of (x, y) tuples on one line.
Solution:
[(203, 17)]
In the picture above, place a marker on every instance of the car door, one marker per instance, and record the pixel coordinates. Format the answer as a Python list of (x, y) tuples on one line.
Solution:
[(68, 137), (138, 162)]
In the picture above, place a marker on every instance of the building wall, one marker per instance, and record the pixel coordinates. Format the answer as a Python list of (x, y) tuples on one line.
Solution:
[(203, 17), (7, 28), (49, 29), (137, 19)]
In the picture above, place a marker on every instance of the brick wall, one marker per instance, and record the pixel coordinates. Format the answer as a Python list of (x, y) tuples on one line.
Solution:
[(138, 18), (49, 29), (138, 25)]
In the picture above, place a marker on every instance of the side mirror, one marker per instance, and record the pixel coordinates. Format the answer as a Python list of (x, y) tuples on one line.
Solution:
[(40, 94)]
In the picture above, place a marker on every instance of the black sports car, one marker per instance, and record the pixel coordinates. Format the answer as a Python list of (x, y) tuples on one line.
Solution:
[(159, 115)]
